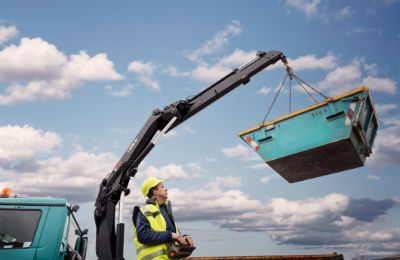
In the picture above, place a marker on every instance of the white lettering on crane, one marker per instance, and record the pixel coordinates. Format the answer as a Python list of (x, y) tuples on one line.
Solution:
[(131, 146)]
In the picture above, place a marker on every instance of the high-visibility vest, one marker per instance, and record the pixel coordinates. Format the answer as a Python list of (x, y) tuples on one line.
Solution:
[(157, 223)]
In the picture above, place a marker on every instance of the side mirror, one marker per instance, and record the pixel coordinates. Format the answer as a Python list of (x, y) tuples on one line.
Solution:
[(85, 232), (75, 208)]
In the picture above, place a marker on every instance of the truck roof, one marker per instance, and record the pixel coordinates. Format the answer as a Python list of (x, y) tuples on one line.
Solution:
[(34, 201)]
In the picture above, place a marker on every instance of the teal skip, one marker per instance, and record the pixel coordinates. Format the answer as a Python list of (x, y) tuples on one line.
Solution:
[(329, 137)]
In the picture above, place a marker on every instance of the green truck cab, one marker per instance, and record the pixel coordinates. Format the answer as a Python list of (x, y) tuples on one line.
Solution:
[(40, 229)]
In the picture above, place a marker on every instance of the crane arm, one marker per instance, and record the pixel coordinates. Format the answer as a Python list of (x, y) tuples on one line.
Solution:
[(164, 120)]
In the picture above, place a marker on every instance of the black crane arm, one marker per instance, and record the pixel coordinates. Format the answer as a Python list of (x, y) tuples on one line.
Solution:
[(116, 182)]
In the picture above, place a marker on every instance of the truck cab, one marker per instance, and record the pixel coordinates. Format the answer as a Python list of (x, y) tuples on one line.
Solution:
[(40, 229)]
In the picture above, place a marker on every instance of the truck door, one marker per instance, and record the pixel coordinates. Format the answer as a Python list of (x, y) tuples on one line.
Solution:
[(74, 243), (20, 229)]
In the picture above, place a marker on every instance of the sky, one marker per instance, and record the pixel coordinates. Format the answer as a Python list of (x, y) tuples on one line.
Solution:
[(78, 79)]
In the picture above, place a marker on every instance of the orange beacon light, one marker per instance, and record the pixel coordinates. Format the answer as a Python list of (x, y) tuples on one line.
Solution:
[(5, 193)]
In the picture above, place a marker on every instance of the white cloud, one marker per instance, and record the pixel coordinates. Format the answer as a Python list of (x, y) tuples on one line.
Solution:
[(210, 159), (144, 73), (384, 108), (265, 179), (259, 166), (170, 134), (371, 69), (83, 67), (172, 71), (189, 130), (373, 177), (391, 121), (345, 78), (38, 90), (309, 62), (358, 29), (238, 58), (309, 8), (141, 68), (389, 138), (345, 12), (219, 40), (206, 73), (362, 30), (196, 176), (228, 181), (195, 166), (387, 3), (168, 172), (342, 78), (76, 178), (25, 142), (7, 33), (149, 82), (209, 74), (32, 59), (244, 153), (386, 149), (380, 84), (210, 202), (39, 71), (264, 91), (124, 92), (305, 211)]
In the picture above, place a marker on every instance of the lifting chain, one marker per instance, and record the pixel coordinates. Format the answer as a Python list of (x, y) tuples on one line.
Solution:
[(291, 75)]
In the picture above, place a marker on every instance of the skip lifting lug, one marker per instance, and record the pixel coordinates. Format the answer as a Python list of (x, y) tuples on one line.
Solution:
[(288, 69)]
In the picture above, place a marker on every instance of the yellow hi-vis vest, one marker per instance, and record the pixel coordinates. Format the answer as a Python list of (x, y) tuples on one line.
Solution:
[(157, 223)]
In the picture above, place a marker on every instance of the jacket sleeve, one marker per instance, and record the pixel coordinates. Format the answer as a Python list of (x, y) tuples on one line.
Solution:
[(146, 236)]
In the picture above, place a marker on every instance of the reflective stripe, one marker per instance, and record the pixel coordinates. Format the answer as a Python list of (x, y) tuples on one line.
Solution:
[(149, 213), (140, 248), (155, 254)]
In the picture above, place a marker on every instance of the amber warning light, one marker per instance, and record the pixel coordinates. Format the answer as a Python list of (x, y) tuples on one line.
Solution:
[(5, 193)]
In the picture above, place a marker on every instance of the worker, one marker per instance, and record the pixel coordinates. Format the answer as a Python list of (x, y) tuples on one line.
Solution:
[(154, 224)]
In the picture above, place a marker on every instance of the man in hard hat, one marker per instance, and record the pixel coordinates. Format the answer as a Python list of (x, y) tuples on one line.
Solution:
[(154, 225)]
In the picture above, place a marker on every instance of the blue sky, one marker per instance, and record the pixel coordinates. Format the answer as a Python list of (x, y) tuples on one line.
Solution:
[(78, 79)]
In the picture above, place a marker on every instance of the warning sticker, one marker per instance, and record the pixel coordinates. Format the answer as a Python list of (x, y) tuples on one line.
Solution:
[(350, 113), (252, 143)]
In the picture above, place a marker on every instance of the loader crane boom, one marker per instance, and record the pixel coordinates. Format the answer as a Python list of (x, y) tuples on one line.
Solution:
[(109, 243)]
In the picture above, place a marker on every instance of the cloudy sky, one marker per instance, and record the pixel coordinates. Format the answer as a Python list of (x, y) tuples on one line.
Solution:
[(79, 79)]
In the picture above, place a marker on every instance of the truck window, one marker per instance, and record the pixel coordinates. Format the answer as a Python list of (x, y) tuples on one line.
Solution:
[(18, 227)]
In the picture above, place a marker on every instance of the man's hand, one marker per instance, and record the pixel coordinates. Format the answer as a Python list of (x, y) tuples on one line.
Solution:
[(189, 240), (186, 240)]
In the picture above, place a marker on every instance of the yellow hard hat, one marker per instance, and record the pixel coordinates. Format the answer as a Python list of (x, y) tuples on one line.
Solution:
[(148, 184)]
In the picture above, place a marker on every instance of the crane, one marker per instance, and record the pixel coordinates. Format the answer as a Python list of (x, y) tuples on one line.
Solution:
[(113, 188)]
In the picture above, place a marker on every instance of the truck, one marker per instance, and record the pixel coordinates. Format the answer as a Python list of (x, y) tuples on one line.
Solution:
[(40, 228), (43, 229)]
